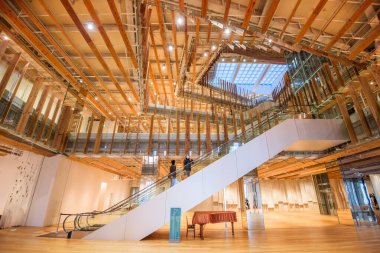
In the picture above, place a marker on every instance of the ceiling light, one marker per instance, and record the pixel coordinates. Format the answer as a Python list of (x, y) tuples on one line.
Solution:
[(270, 40), (244, 60), (90, 26), (254, 60), (213, 47), (233, 59), (205, 54), (179, 20), (371, 82), (170, 48), (163, 66), (110, 113), (129, 99), (223, 60), (80, 80), (96, 98), (5, 37), (227, 31)]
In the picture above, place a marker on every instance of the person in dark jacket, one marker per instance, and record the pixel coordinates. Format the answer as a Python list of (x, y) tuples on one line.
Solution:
[(187, 165), (172, 172)]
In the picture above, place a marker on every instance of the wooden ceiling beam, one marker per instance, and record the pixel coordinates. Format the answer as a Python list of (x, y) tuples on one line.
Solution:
[(269, 15), (204, 8), (158, 65), (19, 25), (361, 45), (61, 51), (174, 29), (110, 47), (289, 18), (87, 38), (357, 14), (310, 20), (247, 18), (154, 84), (165, 46), (121, 27)]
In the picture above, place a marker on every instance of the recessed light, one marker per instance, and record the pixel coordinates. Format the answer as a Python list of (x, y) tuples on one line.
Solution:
[(233, 59), (179, 20), (80, 80), (90, 26), (213, 47), (244, 60), (5, 37), (163, 66), (254, 60), (205, 54), (96, 98), (129, 99), (227, 31), (223, 60), (270, 40), (170, 48)]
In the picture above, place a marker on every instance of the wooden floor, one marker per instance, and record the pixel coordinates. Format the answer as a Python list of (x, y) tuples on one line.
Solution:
[(289, 232)]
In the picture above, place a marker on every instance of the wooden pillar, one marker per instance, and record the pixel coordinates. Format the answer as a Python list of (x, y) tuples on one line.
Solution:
[(150, 142), (346, 118), (359, 111), (187, 134), (258, 116), (208, 134), (8, 73), (199, 134), (113, 137), (177, 135), (242, 124), (27, 110), (50, 129), (168, 136), (45, 117), (63, 124), (330, 77), (251, 119), (371, 101), (316, 90), (77, 136), (40, 105), (242, 202), (216, 118), (99, 135), (10, 102), (89, 130), (225, 127), (137, 135), (3, 47), (235, 124), (127, 128), (338, 75)]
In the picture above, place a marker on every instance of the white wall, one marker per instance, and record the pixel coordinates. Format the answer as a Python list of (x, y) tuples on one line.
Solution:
[(53, 185), (18, 177), (282, 195)]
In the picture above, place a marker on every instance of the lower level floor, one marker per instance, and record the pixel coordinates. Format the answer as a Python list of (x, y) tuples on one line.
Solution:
[(284, 232)]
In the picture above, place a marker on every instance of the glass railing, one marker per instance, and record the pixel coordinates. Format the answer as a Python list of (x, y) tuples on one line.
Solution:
[(90, 221)]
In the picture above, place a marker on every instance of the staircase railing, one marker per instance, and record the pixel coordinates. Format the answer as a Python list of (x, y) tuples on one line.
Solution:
[(90, 221)]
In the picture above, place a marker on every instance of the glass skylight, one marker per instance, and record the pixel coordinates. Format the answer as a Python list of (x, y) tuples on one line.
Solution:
[(253, 77)]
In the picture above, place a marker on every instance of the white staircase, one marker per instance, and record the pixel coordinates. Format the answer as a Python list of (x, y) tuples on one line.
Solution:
[(292, 134)]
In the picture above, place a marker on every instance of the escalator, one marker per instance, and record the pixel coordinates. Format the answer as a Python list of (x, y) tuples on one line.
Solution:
[(147, 210)]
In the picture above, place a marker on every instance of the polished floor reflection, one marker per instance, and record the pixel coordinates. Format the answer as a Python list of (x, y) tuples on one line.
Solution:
[(291, 232)]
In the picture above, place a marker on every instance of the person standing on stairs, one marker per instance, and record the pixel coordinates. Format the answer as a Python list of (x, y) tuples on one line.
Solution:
[(172, 173), (187, 165)]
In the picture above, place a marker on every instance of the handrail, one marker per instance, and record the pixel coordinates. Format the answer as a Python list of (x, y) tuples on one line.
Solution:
[(145, 193)]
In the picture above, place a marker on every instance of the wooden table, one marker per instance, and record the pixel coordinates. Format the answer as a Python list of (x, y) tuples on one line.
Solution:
[(204, 217)]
